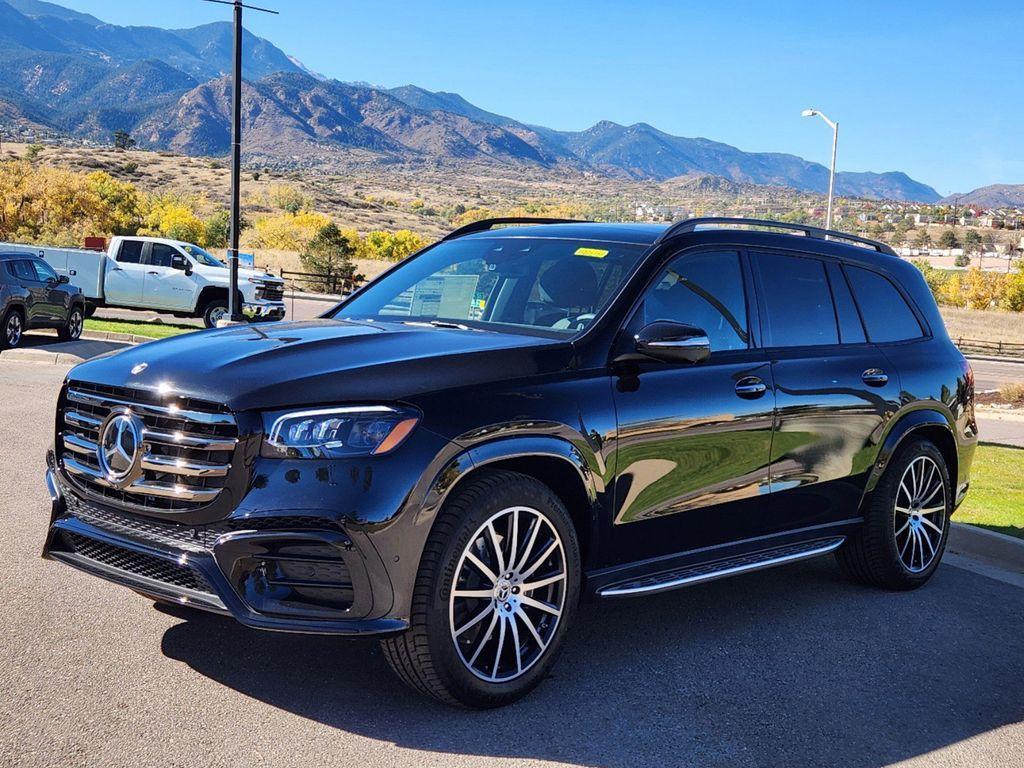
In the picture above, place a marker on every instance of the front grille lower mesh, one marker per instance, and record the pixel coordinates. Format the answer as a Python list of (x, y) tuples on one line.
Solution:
[(137, 563), (188, 446)]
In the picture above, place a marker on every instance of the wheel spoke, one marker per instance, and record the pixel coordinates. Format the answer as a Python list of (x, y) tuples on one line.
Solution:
[(474, 593), (903, 510), (515, 642), (540, 560), (903, 550), (933, 510), (514, 538), (475, 620), (501, 647), (905, 526), (528, 549), (533, 630), (540, 605), (481, 566), (486, 637), (534, 585), (497, 547), (931, 525), (925, 538)]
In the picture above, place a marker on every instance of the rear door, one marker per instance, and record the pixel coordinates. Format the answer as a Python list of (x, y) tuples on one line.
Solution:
[(125, 275), (693, 440), (834, 390), (165, 286)]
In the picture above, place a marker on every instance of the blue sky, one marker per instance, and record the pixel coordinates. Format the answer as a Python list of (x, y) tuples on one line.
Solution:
[(935, 89)]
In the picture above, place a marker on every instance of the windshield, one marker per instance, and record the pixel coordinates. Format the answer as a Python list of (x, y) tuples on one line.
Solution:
[(205, 258), (539, 285)]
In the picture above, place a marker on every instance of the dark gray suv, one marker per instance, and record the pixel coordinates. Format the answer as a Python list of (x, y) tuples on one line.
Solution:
[(32, 295)]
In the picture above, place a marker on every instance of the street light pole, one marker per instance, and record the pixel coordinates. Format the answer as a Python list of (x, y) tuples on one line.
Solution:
[(832, 174), (234, 311)]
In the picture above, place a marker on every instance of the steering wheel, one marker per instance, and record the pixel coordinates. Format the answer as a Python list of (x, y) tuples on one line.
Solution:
[(575, 323)]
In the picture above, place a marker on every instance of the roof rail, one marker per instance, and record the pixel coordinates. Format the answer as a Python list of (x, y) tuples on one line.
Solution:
[(690, 225), (485, 224)]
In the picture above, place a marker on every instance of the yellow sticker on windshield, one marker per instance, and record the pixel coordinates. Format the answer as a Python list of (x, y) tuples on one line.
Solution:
[(594, 253)]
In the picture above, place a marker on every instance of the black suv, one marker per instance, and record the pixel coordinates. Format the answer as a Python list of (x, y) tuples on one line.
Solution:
[(519, 417), (32, 295)]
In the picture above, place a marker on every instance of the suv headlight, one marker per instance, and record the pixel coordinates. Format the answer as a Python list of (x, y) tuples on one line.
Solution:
[(327, 433)]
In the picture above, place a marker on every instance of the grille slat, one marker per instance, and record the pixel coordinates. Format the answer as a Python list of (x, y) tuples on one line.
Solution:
[(187, 446)]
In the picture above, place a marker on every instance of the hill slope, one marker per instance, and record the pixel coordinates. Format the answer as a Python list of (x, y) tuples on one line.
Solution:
[(992, 196)]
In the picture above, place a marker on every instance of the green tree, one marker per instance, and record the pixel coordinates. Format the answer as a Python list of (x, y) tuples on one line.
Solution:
[(32, 151), (962, 260), (948, 239), (330, 253), (123, 140), (218, 229), (971, 240), (922, 239)]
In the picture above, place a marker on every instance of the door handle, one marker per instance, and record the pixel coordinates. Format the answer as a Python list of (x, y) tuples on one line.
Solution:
[(117, 269), (875, 377), (152, 273), (750, 387)]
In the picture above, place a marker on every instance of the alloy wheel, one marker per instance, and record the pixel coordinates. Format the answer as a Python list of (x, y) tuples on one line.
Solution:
[(508, 594), (13, 330), (217, 314), (75, 324), (920, 518)]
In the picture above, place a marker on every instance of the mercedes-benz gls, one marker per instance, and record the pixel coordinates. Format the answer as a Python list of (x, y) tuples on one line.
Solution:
[(517, 418)]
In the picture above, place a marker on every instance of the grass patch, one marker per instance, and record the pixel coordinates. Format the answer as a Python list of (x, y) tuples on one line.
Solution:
[(996, 498), (153, 330)]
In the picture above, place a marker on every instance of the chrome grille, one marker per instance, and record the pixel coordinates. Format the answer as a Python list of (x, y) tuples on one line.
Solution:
[(187, 446), (271, 292)]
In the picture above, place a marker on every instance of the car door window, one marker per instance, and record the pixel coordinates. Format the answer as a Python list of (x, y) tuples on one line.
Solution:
[(886, 313), (130, 252), (703, 289), (23, 270), (43, 271), (161, 255), (798, 308), (851, 331)]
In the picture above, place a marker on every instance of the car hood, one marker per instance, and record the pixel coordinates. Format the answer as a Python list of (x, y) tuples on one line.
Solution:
[(323, 361)]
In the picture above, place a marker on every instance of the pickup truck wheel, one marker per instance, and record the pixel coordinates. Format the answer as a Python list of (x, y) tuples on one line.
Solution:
[(11, 329), (215, 311), (72, 330), (497, 589)]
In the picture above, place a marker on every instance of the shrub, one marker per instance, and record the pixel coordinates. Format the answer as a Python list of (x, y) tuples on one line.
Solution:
[(286, 231), (390, 246), (329, 253)]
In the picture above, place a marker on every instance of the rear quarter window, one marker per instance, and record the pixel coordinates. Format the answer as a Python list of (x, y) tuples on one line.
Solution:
[(885, 312)]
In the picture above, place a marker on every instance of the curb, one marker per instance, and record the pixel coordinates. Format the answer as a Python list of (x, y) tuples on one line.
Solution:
[(327, 298), (131, 338), (993, 548)]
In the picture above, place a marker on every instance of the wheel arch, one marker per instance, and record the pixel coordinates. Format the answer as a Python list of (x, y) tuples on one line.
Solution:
[(211, 292), (926, 423), (553, 461)]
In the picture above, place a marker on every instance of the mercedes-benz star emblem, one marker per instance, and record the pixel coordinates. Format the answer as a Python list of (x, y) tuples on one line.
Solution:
[(119, 447)]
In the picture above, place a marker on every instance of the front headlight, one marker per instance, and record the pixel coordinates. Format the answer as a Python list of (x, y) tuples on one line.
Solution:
[(328, 433)]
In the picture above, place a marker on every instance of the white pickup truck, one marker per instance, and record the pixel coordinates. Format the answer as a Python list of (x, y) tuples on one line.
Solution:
[(164, 275)]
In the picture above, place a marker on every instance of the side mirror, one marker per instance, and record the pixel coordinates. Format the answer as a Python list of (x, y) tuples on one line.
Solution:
[(63, 279), (182, 264), (673, 342)]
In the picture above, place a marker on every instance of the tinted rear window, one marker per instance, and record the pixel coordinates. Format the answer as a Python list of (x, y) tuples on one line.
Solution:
[(886, 313), (798, 304), (131, 252), (850, 329)]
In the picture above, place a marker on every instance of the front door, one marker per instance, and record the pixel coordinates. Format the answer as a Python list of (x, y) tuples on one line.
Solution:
[(54, 297), (35, 306), (693, 441), (167, 287), (834, 390), (125, 275)]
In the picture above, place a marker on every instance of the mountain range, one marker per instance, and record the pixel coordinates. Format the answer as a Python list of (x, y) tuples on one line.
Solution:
[(73, 73)]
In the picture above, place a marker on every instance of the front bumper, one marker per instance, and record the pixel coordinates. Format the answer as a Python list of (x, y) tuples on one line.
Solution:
[(284, 574), (262, 311)]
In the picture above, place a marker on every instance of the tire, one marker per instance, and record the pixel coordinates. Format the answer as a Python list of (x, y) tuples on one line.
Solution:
[(72, 330), (447, 651), (896, 549), (12, 329), (215, 309)]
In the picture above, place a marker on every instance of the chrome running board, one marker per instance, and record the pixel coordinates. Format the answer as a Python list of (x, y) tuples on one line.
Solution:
[(719, 569)]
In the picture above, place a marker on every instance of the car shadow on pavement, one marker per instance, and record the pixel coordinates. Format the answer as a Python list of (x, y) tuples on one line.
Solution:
[(789, 667), (85, 349)]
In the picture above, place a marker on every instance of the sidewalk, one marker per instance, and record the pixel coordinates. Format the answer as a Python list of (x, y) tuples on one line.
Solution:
[(43, 348)]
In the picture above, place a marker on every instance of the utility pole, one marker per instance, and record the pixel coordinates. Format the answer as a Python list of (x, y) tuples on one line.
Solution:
[(235, 311)]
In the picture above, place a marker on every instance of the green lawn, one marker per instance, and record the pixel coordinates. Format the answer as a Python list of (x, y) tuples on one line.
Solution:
[(153, 330), (996, 498)]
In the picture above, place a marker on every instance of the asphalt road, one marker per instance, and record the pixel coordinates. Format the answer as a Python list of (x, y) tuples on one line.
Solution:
[(787, 667), (295, 309)]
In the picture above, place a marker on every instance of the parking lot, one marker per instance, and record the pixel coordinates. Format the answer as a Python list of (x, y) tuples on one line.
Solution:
[(787, 667)]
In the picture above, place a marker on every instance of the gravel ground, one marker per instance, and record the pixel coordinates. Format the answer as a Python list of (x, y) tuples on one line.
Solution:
[(786, 667)]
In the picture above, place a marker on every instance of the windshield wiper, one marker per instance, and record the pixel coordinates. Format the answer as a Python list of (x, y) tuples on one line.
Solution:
[(439, 324)]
